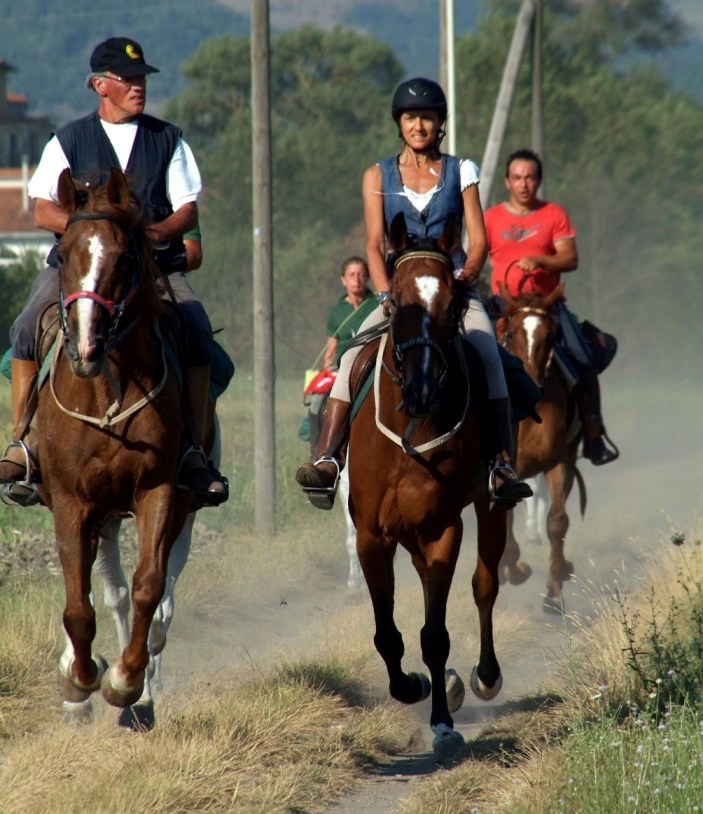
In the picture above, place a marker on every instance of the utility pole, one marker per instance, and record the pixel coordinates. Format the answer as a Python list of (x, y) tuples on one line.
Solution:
[(447, 61), (504, 101), (537, 88), (264, 419)]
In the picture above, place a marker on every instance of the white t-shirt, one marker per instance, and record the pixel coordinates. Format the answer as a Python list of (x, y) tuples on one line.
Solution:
[(183, 182), (468, 174)]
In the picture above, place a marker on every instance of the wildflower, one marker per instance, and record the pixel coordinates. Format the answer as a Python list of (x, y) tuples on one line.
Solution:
[(678, 538)]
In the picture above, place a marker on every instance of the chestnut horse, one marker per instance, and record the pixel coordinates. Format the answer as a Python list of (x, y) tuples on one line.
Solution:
[(108, 425), (416, 460), (529, 329)]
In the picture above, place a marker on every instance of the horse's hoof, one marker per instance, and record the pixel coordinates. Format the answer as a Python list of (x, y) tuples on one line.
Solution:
[(117, 692), (77, 713), (554, 605), (481, 690), (447, 742), (138, 717), (74, 692), (519, 573), (454, 687)]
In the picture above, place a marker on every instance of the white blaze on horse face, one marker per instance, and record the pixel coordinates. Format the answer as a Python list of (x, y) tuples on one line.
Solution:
[(427, 288), (530, 324), (85, 306)]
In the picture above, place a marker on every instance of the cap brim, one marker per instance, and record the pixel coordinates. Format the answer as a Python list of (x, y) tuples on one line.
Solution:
[(136, 70)]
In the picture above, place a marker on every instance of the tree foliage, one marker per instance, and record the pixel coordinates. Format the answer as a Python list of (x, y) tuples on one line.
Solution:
[(330, 94), (619, 155)]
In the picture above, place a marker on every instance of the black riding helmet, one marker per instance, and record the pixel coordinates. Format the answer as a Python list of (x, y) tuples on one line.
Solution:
[(416, 94)]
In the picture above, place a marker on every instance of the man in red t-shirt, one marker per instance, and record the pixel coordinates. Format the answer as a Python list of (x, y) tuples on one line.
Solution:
[(531, 243)]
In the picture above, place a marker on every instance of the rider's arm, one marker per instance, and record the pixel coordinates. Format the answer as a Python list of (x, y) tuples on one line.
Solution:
[(565, 258), (174, 225), (476, 232), (375, 228), (330, 351), (48, 215)]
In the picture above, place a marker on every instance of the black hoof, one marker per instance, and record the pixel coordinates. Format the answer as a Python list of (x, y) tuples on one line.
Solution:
[(138, 718)]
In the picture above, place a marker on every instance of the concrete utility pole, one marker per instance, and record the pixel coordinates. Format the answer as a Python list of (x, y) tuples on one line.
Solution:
[(447, 63), (264, 420), (496, 134), (537, 92)]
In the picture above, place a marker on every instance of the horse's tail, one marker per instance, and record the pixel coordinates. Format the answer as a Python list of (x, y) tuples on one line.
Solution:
[(582, 491)]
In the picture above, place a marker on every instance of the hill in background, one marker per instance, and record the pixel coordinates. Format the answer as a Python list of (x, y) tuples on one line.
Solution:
[(50, 45)]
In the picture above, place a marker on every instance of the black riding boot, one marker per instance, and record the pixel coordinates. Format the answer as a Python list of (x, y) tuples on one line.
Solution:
[(319, 479), (594, 434), (505, 488)]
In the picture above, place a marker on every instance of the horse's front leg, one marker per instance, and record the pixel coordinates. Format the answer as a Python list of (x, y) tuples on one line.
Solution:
[(435, 564), (108, 567), (376, 559), (123, 683), (486, 679), (77, 546), (559, 482)]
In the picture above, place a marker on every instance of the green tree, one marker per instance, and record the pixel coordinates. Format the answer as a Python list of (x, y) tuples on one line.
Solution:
[(330, 94), (620, 150)]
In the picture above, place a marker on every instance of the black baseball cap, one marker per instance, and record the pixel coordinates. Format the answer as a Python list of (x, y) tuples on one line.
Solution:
[(121, 56)]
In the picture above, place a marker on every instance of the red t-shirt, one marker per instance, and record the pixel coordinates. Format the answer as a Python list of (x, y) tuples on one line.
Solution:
[(511, 237)]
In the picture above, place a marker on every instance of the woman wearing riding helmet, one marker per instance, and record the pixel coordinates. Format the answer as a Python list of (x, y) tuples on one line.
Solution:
[(427, 186)]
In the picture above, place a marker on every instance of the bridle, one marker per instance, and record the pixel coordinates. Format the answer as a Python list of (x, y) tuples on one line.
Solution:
[(543, 313), (113, 307), (399, 348)]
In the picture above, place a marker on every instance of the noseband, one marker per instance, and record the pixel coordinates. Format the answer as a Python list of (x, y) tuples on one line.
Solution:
[(113, 307)]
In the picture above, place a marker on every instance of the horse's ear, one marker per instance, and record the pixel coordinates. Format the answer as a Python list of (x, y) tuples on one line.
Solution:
[(70, 195), (450, 239), (398, 233), (118, 189), (553, 296)]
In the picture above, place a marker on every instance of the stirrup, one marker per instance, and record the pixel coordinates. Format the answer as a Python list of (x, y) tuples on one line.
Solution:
[(202, 498), (26, 480), (503, 503), (20, 494), (322, 497)]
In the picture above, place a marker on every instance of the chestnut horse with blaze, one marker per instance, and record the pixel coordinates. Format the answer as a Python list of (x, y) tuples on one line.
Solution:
[(107, 425), (416, 460), (529, 329)]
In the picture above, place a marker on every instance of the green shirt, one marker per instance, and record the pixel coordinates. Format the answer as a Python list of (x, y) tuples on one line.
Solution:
[(343, 331)]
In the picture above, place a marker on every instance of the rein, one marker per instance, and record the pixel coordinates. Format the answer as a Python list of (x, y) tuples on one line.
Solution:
[(404, 441)]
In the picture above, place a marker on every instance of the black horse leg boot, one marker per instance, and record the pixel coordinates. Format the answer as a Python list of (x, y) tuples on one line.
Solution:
[(319, 479)]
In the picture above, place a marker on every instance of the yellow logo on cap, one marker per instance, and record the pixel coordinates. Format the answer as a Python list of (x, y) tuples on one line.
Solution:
[(132, 52)]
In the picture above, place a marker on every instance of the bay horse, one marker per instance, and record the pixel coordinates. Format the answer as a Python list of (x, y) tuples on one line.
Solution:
[(416, 460), (529, 329), (108, 425)]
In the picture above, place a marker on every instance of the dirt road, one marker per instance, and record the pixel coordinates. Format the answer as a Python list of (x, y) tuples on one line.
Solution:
[(634, 507)]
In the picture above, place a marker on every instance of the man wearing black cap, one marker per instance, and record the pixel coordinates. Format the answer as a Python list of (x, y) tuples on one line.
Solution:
[(162, 171)]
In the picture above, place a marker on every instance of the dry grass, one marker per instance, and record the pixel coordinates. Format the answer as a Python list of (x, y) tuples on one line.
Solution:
[(288, 741)]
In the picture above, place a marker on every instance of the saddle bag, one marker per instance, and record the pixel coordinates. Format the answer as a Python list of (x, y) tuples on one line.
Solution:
[(603, 346)]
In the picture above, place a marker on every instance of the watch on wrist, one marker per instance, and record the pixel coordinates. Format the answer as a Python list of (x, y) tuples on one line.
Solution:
[(382, 296)]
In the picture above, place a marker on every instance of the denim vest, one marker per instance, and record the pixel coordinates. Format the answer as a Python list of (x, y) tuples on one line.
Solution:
[(430, 222)]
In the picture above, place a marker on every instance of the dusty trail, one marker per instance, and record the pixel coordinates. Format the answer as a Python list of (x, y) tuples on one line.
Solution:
[(635, 505)]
